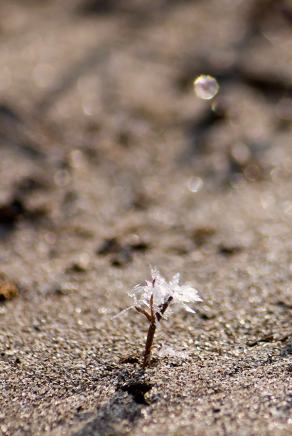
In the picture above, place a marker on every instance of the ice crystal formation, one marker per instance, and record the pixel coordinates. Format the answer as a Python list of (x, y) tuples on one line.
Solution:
[(154, 297)]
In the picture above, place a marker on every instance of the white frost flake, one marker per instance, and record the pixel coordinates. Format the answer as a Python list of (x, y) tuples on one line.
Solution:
[(172, 292)]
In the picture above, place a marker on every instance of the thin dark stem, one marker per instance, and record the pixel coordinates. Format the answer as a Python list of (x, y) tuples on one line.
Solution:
[(152, 329), (163, 309), (152, 314), (149, 342), (148, 316)]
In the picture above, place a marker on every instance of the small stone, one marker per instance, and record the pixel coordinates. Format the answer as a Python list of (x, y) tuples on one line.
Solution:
[(229, 249), (8, 290), (108, 246), (80, 264), (201, 235), (122, 258)]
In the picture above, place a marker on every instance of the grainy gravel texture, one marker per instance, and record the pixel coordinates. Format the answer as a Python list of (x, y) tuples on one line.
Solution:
[(108, 164)]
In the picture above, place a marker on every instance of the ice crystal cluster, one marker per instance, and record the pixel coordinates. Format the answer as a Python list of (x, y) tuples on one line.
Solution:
[(158, 292), (154, 297)]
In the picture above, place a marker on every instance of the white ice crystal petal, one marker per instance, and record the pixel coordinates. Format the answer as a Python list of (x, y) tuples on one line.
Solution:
[(163, 291), (167, 351), (157, 277), (122, 312), (188, 308), (136, 290), (186, 293), (154, 272), (175, 280)]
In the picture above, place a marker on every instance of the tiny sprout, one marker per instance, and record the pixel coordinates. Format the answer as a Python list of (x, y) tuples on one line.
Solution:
[(154, 297), (206, 87)]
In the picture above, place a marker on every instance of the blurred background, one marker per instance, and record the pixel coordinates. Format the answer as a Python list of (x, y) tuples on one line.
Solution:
[(102, 137)]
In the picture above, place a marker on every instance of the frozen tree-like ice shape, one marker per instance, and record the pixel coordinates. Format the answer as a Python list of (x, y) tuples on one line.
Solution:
[(164, 292), (153, 297)]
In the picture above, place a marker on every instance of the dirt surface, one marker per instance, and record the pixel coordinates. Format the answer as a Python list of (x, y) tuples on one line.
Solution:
[(108, 164)]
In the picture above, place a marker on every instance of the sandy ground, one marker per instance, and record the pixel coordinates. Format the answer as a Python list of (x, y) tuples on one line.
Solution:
[(108, 164)]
